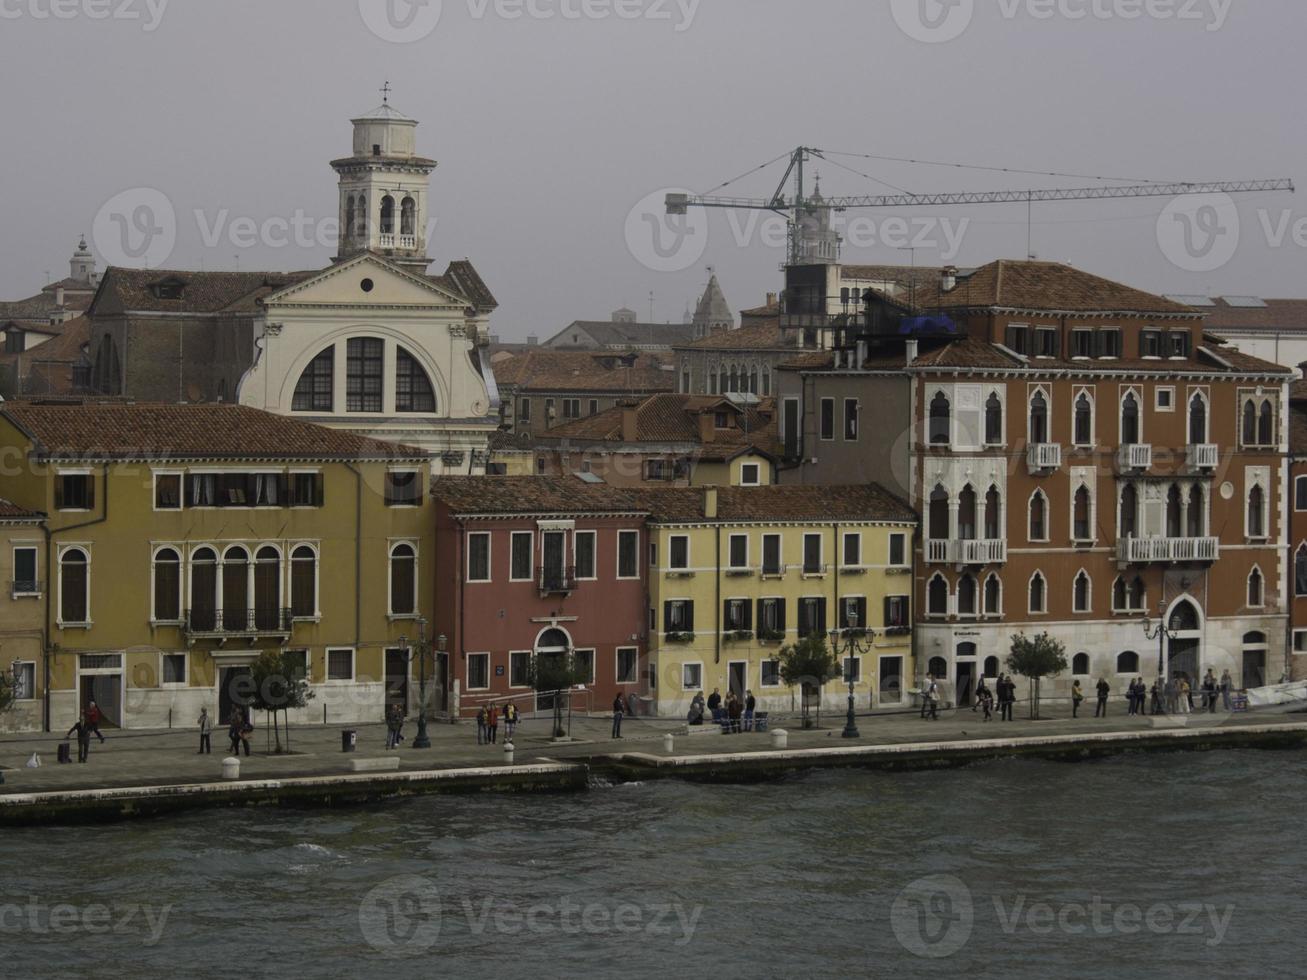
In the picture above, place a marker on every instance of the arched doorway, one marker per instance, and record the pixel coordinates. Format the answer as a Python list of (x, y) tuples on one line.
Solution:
[(1253, 672), (551, 643), (965, 683), (1184, 657)]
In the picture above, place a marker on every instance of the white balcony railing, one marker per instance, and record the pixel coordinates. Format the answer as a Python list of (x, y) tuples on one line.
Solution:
[(1144, 550), (1044, 456), (386, 240), (1204, 457), (966, 552), (1136, 457)]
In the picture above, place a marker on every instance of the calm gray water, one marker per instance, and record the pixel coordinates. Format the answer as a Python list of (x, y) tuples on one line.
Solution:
[(1158, 866)]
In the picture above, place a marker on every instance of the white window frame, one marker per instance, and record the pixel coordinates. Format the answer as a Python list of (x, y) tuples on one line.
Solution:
[(698, 666), (1262, 575), (1031, 392), (1088, 486), (844, 550), (635, 665), (757, 474), (35, 549), (1126, 392), (780, 554), (984, 612), (314, 547), (181, 491), (353, 665), (1090, 394), (179, 551), (59, 474), (417, 472), (390, 579), (948, 597), (27, 695), (1031, 581), (530, 657), (730, 553), (621, 536), (468, 671), (999, 392), (1157, 399), (594, 555), (1048, 518), (490, 571), (594, 663), (762, 676), (63, 549), (671, 540), (1297, 480), (1296, 634), (889, 550), (1089, 592), (1256, 476), (531, 555), (186, 670), (821, 551)]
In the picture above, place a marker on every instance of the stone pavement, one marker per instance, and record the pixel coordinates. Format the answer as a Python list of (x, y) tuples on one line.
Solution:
[(153, 758)]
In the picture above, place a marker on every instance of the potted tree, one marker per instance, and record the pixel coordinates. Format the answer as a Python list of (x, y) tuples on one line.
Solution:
[(809, 665), (1036, 657), (277, 690)]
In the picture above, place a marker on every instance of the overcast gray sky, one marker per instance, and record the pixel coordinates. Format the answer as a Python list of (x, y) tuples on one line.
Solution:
[(550, 128)]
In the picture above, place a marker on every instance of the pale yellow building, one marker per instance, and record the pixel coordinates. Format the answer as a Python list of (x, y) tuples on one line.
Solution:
[(736, 574), (184, 540), (22, 619)]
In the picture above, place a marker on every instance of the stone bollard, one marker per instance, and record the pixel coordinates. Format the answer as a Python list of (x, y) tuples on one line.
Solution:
[(508, 753), (669, 743), (231, 768), (780, 739)]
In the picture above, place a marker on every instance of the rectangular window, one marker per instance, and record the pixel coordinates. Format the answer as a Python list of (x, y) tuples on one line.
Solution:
[(1179, 343), (585, 555), (771, 555), (1018, 339), (174, 669), (571, 408), (519, 669), (524, 410), (739, 551), (896, 612), (585, 666), (692, 677), (771, 617), (25, 574), (1300, 493), (812, 617), (306, 490), (628, 665), (1165, 400), (852, 550), (1109, 343), (851, 420), (1082, 343), (898, 550), (297, 664), (737, 614), (853, 612), (827, 419), (594, 406), (403, 488), (678, 616), (1046, 342), (478, 557), (24, 681), (74, 491), (550, 411), (522, 568), (750, 475), (812, 554), (364, 360), (678, 552), (628, 548), (1300, 641), (1150, 343), (770, 673), (167, 491), (478, 671), (340, 665)]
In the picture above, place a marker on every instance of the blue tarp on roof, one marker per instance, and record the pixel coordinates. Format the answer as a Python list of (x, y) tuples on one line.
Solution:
[(927, 326)]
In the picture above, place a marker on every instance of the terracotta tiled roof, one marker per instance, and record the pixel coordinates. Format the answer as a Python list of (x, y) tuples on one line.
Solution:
[(675, 418), (966, 352), (1043, 286), (462, 278), (11, 512), (815, 360), (777, 503), (609, 333), (581, 371), (202, 292), (903, 275), (47, 368), (761, 336), (771, 309), (531, 495), (156, 431), (1289, 315)]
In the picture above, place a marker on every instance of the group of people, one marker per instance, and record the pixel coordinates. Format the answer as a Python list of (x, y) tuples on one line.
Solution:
[(488, 717), (732, 713), (1004, 695), (1173, 696), (88, 724)]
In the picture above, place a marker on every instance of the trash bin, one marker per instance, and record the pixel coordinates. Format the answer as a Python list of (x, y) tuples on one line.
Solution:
[(231, 768), (65, 752), (349, 740)]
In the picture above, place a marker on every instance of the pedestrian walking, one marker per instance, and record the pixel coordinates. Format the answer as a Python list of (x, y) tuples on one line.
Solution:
[(492, 724), (1227, 684), (1209, 692), (93, 719), (393, 722), (619, 710), (83, 729), (1077, 699), (1158, 707), (750, 707), (734, 712), (1186, 696), (987, 703), (1009, 698), (482, 731), (510, 721), (932, 701), (234, 731), (247, 731), (981, 691), (925, 691), (1104, 690), (206, 726)]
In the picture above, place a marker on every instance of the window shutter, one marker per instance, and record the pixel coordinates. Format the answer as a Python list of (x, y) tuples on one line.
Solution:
[(821, 615), (90, 491), (318, 495), (283, 490), (689, 617), (58, 492), (748, 616), (780, 615), (889, 612), (667, 617)]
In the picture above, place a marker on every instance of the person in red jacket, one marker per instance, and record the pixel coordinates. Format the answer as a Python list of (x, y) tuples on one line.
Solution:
[(93, 717)]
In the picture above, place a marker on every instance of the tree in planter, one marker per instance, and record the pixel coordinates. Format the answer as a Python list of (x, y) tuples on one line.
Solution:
[(809, 663), (7, 692), (275, 689), (556, 674), (1036, 657)]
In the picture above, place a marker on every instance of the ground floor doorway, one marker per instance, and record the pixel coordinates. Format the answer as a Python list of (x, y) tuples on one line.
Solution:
[(966, 683), (889, 686), (106, 691), (738, 678), (234, 687), (397, 679)]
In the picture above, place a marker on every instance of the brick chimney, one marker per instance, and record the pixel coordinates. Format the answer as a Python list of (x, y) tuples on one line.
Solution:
[(948, 279), (707, 427), (772, 299), (710, 503), (630, 421)]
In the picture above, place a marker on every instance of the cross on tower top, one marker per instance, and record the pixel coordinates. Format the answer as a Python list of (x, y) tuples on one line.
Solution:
[(385, 93)]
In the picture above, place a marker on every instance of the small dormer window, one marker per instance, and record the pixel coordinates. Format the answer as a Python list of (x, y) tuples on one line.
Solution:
[(722, 420), (376, 149)]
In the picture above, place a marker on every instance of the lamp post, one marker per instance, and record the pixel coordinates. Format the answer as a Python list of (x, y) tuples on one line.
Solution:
[(1161, 633), (420, 651), (847, 648)]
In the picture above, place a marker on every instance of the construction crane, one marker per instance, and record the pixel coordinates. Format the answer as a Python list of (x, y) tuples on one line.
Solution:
[(679, 204)]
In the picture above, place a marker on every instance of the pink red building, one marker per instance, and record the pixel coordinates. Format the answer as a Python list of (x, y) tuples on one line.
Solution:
[(538, 566)]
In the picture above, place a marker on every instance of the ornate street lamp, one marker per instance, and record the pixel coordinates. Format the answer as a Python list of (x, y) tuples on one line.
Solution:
[(420, 651), (1161, 632), (846, 648)]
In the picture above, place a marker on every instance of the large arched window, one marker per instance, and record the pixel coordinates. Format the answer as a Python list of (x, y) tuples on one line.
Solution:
[(408, 218), (1038, 530), (1174, 500), (967, 514), (1256, 512), (388, 215), (1038, 594), (167, 586), (937, 596), (1249, 423), (74, 587), (1082, 515), (1080, 665), (1081, 593), (939, 517), (314, 390), (938, 667), (1266, 425), (1197, 420), (993, 420), (267, 589), (1196, 513), (304, 582), (1129, 511), (1084, 422), (1300, 572), (940, 420), (403, 580), (993, 595), (1130, 420), (349, 218), (235, 590), (1127, 662), (204, 590), (1256, 588), (413, 391), (993, 515), (1038, 418), (967, 596), (991, 666)]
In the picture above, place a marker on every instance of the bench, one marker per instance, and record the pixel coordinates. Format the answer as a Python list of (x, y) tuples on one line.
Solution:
[(386, 763)]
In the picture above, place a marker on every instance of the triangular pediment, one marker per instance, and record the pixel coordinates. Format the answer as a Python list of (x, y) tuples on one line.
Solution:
[(347, 284)]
